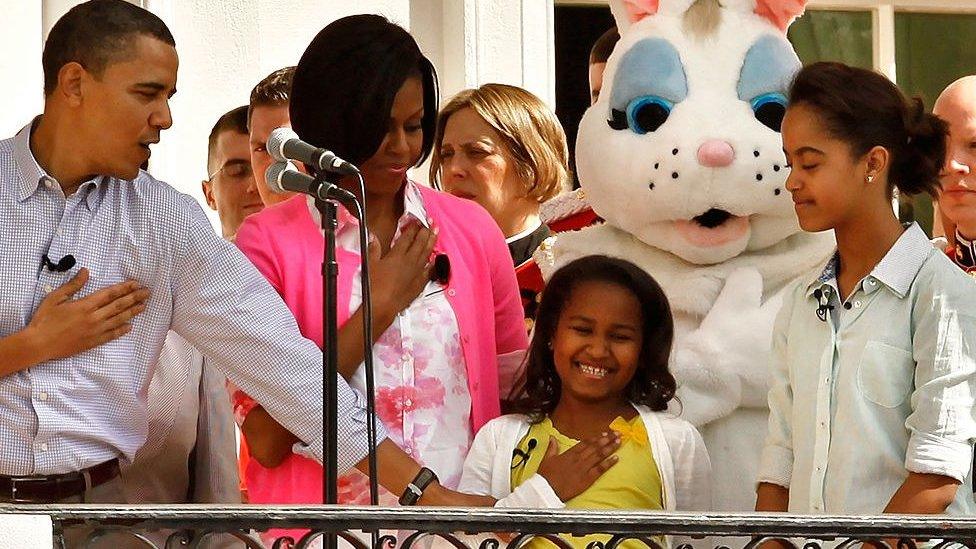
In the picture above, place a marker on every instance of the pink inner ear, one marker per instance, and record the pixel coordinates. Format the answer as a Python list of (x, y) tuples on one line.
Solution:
[(639, 9), (780, 12)]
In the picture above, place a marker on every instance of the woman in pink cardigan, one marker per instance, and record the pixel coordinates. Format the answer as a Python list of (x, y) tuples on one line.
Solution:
[(445, 349)]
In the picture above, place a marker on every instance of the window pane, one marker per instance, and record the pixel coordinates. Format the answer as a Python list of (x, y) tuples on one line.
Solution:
[(829, 35), (931, 51)]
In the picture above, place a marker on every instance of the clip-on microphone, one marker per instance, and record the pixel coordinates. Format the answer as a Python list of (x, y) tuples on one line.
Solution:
[(824, 307), (523, 456), (64, 264)]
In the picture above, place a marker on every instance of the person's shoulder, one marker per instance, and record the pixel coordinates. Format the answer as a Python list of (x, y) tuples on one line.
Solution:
[(671, 424), (146, 187), (159, 201), (288, 212), (507, 420), (440, 203), (939, 275), (7, 146)]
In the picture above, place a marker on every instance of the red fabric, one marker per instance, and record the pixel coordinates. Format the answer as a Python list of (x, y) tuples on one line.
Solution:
[(575, 222)]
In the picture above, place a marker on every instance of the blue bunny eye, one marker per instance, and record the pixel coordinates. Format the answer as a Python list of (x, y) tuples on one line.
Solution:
[(644, 114), (770, 108)]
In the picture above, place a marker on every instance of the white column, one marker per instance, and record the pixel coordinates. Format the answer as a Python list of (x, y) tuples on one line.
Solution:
[(473, 42)]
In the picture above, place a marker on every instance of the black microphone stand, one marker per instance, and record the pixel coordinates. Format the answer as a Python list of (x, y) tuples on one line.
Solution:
[(328, 212)]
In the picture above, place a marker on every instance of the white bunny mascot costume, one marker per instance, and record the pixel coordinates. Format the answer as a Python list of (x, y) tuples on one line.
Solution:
[(682, 157)]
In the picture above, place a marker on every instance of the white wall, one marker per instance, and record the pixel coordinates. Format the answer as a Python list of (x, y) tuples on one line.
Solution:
[(22, 91), (226, 46)]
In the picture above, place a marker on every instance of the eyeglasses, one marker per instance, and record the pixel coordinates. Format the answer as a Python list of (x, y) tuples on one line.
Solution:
[(235, 170)]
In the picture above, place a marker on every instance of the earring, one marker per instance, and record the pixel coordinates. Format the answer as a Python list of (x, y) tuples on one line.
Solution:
[(870, 178), (549, 345)]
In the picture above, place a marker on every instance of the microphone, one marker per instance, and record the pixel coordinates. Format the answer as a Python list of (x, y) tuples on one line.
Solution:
[(284, 144), (284, 177), (824, 307), (64, 264), (523, 457)]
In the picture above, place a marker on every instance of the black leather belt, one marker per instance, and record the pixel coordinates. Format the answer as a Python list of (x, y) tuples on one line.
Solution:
[(54, 488)]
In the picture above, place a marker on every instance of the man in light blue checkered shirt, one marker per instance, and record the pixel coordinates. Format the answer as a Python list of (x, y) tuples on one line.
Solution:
[(70, 184)]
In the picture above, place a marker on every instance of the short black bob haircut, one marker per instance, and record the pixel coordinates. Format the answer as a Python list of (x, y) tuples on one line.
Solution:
[(538, 392), (346, 81), (96, 34)]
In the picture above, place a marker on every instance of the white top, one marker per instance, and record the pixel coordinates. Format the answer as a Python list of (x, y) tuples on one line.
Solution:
[(883, 385)]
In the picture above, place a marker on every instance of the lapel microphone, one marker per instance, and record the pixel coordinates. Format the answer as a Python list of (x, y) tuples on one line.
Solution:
[(824, 307), (520, 458), (64, 264)]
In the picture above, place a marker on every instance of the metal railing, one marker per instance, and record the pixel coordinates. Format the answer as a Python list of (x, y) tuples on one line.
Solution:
[(192, 525)]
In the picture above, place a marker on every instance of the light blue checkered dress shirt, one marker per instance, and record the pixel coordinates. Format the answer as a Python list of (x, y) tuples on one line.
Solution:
[(68, 414)]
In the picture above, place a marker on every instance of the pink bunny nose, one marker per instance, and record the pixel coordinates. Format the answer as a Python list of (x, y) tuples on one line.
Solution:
[(715, 153)]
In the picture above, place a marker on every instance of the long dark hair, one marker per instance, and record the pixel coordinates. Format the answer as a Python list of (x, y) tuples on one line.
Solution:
[(346, 81), (538, 392), (864, 109)]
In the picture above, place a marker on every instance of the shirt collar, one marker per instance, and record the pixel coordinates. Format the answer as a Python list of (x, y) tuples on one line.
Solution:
[(823, 277), (32, 175), (413, 204), (896, 270), (899, 267), (964, 252), (535, 226), (413, 207)]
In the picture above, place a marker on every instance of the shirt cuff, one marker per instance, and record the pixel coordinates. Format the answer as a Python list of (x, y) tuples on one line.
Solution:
[(776, 466), (933, 455), (534, 493), (349, 454)]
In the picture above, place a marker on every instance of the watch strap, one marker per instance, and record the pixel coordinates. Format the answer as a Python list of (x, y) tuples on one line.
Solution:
[(417, 486)]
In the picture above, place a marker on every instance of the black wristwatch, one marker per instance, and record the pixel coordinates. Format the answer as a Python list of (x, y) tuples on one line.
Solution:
[(417, 486)]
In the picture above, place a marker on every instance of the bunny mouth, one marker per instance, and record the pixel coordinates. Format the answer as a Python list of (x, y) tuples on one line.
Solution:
[(713, 228), (712, 218)]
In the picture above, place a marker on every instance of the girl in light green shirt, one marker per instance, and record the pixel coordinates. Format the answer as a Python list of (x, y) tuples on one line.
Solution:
[(874, 356)]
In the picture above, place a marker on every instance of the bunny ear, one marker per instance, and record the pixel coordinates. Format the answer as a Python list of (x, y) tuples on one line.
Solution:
[(628, 12), (780, 12), (639, 9)]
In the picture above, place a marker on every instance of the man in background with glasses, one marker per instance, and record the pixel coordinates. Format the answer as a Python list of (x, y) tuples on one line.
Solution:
[(231, 188)]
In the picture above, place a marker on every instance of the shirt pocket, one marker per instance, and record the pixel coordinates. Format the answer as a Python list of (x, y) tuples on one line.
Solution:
[(886, 374)]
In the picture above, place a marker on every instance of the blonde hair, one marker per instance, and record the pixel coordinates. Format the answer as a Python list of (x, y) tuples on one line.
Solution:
[(532, 135)]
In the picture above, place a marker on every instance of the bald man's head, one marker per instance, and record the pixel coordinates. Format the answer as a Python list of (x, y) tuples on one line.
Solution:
[(957, 106)]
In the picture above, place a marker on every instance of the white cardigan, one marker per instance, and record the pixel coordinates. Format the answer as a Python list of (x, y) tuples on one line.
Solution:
[(677, 448)]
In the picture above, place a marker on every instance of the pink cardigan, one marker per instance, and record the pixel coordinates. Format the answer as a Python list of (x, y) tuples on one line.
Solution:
[(286, 245)]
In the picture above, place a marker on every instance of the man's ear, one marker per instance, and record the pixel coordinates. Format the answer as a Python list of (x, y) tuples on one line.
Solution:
[(208, 194), (70, 79)]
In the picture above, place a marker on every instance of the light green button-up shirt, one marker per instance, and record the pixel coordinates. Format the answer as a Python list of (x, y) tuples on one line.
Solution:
[(881, 384)]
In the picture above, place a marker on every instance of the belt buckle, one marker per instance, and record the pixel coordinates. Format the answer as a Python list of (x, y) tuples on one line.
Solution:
[(24, 480)]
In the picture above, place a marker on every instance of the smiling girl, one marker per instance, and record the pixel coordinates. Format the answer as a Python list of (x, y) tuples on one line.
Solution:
[(871, 399), (597, 367)]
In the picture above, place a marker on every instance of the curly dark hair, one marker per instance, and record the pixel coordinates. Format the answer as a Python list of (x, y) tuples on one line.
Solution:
[(538, 392)]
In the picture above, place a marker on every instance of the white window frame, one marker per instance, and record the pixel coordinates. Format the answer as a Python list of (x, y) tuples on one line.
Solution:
[(882, 16)]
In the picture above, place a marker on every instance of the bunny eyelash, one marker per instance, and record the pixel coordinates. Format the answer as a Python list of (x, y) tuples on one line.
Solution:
[(618, 120)]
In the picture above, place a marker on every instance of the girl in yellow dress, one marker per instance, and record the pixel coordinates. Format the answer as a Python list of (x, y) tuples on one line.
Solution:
[(596, 372)]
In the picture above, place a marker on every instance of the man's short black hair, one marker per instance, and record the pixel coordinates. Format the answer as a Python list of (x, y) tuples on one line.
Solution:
[(96, 34), (603, 46), (234, 120)]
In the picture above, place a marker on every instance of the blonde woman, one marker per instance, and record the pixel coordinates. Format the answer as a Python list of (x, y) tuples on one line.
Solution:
[(503, 148)]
